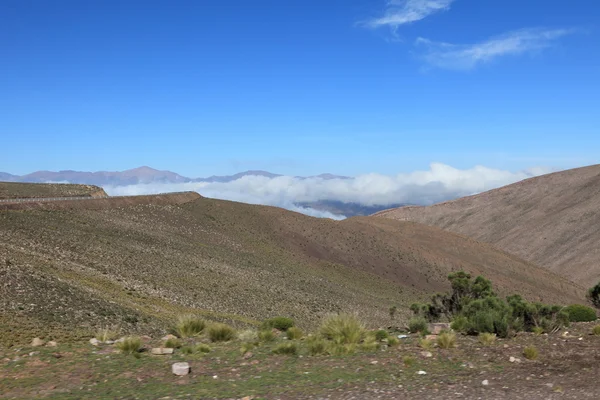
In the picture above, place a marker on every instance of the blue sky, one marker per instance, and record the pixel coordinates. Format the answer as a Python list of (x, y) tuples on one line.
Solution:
[(298, 87)]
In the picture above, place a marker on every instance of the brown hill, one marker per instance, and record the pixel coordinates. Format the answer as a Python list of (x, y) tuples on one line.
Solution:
[(140, 265), (10, 190), (551, 220)]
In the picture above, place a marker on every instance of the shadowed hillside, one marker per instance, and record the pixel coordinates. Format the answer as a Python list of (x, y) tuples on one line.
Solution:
[(551, 220)]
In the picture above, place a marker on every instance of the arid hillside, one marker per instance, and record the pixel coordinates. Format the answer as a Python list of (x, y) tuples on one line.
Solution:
[(552, 221), (10, 190), (70, 271)]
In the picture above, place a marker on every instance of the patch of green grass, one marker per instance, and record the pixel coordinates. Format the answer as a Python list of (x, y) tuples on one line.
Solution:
[(409, 361), (294, 333), (381, 334), (266, 336), (426, 344), (538, 330), (246, 347), (220, 333), (173, 343), (370, 343), (418, 325), (279, 323), (393, 341), (486, 338), (530, 353), (105, 334), (248, 335), (596, 330), (286, 348), (130, 345), (342, 329), (317, 346), (446, 340), (189, 326)]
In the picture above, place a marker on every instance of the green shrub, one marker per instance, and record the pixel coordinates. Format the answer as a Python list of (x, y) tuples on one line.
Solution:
[(538, 330), (173, 343), (220, 333), (246, 347), (446, 340), (294, 333), (317, 347), (289, 348), (266, 336), (393, 341), (596, 330), (530, 353), (381, 334), (341, 349), (460, 324), (279, 323), (370, 344), (189, 326), (486, 338), (248, 335), (342, 329), (199, 348), (581, 313), (593, 295), (426, 344), (418, 324), (130, 345)]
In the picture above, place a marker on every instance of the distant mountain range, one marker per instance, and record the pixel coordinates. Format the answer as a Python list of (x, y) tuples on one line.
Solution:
[(147, 175), (134, 176)]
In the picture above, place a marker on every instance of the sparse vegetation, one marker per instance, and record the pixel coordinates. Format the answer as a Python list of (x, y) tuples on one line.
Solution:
[(538, 330), (317, 346), (266, 335), (446, 340), (198, 348), (246, 347), (173, 343), (294, 333), (393, 341), (530, 353), (581, 313), (426, 344), (279, 323), (288, 348), (487, 338), (220, 332), (370, 343), (381, 334), (130, 345), (248, 335), (189, 326), (342, 329), (409, 361), (106, 334), (596, 330)]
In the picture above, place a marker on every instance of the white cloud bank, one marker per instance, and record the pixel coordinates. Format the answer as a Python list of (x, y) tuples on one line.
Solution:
[(453, 56), (401, 12), (439, 183)]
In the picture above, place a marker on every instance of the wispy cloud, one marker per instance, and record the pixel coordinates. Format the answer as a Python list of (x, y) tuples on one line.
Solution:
[(401, 12), (441, 182), (453, 56)]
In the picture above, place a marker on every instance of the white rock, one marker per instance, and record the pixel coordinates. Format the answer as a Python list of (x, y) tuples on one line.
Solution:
[(52, 343), (421, 373), (485, 382), (426, 354), (181, 368), (169, 336), (161, 351), (94, 342), (512, 359), (37, 342)]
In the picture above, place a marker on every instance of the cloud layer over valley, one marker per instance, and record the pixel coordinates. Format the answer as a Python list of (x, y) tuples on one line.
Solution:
[(439, 183)]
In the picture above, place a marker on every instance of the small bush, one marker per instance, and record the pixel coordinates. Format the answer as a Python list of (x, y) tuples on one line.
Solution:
[(340, 349), (286, 348), (446, 340), (370, 344), (486, 338), (106, 334), (381, 334), (409, 361), (530, 353), (294, 333), (419, 325), (342, 329), (220, 333), (426, 344), (538, 330), (279, 323), (460, 324), (189, 326), (393, 341), (581, 313), (266, 336), (593, 295), (317, 347), (596, 330), (130, 345), (173, 343)]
